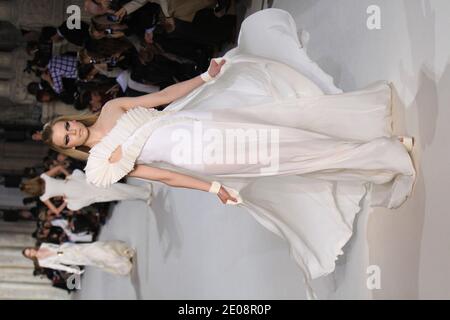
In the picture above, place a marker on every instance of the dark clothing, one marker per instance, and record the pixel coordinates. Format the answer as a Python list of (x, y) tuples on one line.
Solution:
[(11, 215), (206, 29), (154, 74), (76, 36), (117, 4), (143, 19), (12, 181), (56, 235), (70, 92), (198, 54), (43, 54)]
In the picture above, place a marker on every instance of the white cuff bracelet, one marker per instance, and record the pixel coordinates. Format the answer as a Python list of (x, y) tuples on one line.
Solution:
[(206, 77), (215, 187)]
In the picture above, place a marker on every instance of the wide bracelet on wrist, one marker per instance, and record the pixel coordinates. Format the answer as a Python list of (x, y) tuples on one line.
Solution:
[(215, 187), (206, 76)]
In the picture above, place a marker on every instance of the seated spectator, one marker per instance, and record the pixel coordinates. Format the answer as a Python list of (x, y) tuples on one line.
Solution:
[(37, 136), (58, 68)]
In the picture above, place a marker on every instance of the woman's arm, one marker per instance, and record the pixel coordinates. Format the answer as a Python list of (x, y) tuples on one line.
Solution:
[(57, 170), (52, 207), (64, 171), (166, 96), (178, 180)]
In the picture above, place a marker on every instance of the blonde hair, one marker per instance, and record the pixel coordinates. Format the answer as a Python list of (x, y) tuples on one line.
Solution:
[(34, 187), (81, 152)]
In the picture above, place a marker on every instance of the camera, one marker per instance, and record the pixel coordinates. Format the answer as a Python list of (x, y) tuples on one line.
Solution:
[(112, 18)]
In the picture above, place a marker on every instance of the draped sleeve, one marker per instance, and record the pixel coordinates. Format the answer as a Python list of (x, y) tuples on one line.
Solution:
[(99, 170)]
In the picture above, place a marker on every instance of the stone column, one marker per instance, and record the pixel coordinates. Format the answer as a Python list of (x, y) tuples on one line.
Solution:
[(12, 65), (21, 275), (10, 36), (6, 61), (11, 240), (22, 227), (15, 156), (33, 15), (11, 198), (27, 291), (11, 115), (5, 89), (8, 11)]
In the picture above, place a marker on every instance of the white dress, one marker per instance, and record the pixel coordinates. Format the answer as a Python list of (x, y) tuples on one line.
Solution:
[(327, 149), (79, 193), (110, 256)]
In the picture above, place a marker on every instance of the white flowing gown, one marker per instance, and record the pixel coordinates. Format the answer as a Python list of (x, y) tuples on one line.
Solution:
[(110, 256), (79, 194), (325, 150)]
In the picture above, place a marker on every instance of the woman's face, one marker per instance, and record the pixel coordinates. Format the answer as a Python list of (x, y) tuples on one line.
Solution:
[(96, 96), (96, 100), (30, 253), (61, 157), (94, 8), (46, 98), (97, 35), (69, 134)]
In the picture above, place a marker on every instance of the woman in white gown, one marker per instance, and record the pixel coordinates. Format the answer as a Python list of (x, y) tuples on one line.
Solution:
[(111, 256), (322, 151), (77, 192)]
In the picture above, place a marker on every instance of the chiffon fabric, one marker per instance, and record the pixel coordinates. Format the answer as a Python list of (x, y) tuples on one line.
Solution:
[(324, 150), (79, 194)]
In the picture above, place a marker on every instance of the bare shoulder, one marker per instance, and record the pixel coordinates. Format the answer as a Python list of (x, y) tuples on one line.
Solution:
[(108, 116)]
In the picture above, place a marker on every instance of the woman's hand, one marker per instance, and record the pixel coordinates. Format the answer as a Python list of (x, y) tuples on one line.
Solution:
[(214, 67), (224, 196), (47, 77), (148, 37), (61, 208), (121, 14), (169, 24)]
